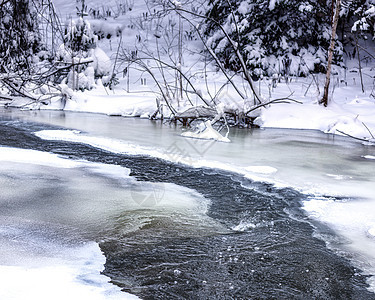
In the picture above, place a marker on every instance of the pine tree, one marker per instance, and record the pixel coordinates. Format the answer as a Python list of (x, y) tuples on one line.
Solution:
[(276, 36), (19, 38), (79, 51), (79, 40), (363, 13)]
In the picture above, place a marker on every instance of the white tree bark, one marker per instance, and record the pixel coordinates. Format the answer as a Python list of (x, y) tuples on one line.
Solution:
[(324, 100)]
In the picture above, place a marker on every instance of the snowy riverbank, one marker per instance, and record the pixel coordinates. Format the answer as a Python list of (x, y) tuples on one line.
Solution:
[(350, 110)]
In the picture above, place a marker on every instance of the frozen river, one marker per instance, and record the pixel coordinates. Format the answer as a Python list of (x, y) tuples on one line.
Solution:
[(274, 213)]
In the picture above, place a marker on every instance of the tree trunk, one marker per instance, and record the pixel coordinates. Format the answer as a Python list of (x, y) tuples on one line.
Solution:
[(324, 100)]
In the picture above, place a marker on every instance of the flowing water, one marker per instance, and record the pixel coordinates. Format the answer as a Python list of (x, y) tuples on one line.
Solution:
[(273, 214)]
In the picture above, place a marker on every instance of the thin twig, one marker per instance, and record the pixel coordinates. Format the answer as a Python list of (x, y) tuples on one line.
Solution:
[(368, 130), (278, 100), (5, 98), (351, 136)]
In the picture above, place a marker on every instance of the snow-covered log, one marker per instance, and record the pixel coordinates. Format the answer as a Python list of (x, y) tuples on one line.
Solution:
[(197, 112), (194, 113)]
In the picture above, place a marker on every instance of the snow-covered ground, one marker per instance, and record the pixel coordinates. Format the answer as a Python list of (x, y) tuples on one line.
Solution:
[(350, 110)]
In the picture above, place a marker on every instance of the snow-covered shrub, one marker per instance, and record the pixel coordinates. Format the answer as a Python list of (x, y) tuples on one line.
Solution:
[(80, 51), (286, 37)]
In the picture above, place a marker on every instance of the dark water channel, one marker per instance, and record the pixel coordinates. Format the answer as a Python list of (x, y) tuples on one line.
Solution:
[(263, 247)]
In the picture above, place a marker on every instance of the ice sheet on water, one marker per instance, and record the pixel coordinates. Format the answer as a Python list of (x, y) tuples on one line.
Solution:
[(74, 276), (46, 268), (112, 145), (259, 173), (37, 260), (371, 231), (261, 169), (35, 157), (79, 179), (352, 219)]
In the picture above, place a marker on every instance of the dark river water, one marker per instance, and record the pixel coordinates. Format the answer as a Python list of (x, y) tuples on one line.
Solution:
[(252, 242)]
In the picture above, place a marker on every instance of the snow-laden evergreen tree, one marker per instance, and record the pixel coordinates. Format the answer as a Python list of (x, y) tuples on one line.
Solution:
[(19, 38), (80, 51), (283, 37), (363, 13)]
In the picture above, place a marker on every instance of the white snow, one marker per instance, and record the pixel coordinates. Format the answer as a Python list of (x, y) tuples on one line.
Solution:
[(208, 133), (35, 157), (371, 231), (353, 221), (102, 63), (77, 276), (271, 5), (119, 104), (243, 8), (261, 169), (344, 117)]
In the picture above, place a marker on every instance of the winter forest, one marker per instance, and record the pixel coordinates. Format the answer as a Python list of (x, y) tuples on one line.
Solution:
[(223, 59), (164, 149)]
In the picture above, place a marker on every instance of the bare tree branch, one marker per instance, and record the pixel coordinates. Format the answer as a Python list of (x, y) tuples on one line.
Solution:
[(353, 137), (234, 45), (368, 130), (219, 64), (4, 2), (179, 71), (279, 100)]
